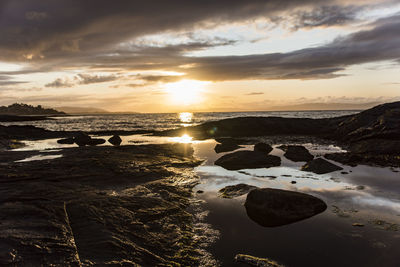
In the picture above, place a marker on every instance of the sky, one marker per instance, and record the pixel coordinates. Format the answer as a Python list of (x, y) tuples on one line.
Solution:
[(190, 55)]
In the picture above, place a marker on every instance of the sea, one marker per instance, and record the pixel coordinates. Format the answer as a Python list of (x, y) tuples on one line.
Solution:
[(160, 121)]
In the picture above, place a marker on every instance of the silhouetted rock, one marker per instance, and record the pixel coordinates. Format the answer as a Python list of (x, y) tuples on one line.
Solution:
[(226, 145), (115, 140), (296, 153), (275, 207), (237, 190), (247, 160), (255, 261), (320, 166), (67, 141), (263, 147), (82, 139), (96, 141)]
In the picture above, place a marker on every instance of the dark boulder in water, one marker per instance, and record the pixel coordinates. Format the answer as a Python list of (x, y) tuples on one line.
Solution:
[(227, 144), (247, 160), (82, 139), (96, 141), (320, 166), (66, 141), (115, 140), (275, 207), (263, 147), (296, 153), (237, 190)]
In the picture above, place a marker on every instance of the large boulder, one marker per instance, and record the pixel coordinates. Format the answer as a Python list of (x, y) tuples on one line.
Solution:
[(237, 190), (296, 153), (320, 166), (96, 141), (275, 207), (247, 160), (115, 140), (263, 147)]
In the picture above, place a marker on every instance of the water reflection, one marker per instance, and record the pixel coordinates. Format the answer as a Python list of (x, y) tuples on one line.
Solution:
[(186, 117)]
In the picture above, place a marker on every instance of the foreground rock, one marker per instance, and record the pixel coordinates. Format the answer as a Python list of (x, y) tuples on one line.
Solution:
[(115, 140), (320, 166), (99, 206), (255, 261), (296, 153), (232, 191), (275, 207), (82, 139), (247, 160), (263, 147)]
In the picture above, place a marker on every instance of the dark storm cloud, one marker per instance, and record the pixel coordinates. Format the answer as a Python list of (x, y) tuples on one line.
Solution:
[(53, 29)]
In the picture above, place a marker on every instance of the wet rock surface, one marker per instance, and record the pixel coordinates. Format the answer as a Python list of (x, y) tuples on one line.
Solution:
[(296, 153), (256, 261), (275, 207), (98, 206), (320, 166), (232, 191), (247, 160)]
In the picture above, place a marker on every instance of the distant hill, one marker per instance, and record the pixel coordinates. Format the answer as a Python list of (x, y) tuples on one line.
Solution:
[(24, 109), (82, 110)]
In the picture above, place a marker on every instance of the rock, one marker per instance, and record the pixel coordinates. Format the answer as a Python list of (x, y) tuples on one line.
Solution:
[(255, 261), (263, 147), (200, 191), (96, 141), (275, 207), (247, 160), (297, 153), (66, 141), (320, 166), (226, 147), (344, 173), (82, 139), (293, 182), (232, 191), (115, 140), (358, 224)]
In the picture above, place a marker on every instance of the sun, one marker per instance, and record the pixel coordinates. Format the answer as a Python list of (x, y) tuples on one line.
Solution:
[(185, 92)]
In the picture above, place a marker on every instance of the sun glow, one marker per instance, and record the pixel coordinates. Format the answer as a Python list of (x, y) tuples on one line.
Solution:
[(184, 139), (185, 92)]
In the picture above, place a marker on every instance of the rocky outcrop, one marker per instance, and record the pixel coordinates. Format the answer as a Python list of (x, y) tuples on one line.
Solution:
[(83, 139), (115, 140), (263, 147), (296, 153), (320, 166), (237, 190), (247, 160), (275, 207)]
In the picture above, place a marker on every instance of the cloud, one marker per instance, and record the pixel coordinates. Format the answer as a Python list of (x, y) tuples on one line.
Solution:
[(7, 80), (78, 27), (82, 79), (255, 93)]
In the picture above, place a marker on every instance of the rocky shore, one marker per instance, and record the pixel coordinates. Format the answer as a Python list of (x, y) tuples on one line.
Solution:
[(118, 206)]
